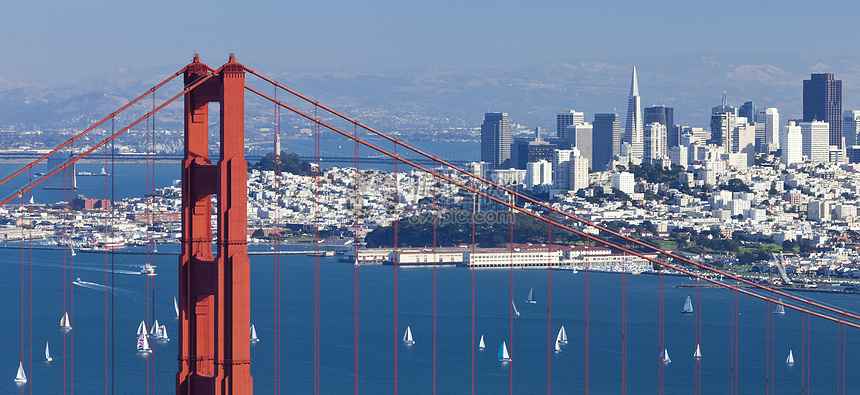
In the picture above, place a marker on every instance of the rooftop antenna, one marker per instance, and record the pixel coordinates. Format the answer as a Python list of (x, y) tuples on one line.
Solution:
[(724, 100)]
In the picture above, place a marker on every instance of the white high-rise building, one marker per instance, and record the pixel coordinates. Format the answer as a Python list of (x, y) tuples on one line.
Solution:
[(743, 140), (678, 155), (654, 144), (565, 119), (561, 168), (791, 142), (580, 137), (623, 181), (767, 130), (816, 140), (851, 127), (578, 173), (634, 133), (538, 173)]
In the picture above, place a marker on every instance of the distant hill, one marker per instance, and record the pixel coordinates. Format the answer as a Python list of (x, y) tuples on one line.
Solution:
[(414, 103)]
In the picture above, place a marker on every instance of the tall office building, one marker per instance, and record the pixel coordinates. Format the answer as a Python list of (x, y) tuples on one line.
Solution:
[(822, 101), (581, 137), (606, 140), (748, 111), (766, 130), (655, 142), (565, 119), (664, 116), (723, 120), (791, 143), (633, 133), (851, 127), (561, 168), (815, 135), (496, 140)]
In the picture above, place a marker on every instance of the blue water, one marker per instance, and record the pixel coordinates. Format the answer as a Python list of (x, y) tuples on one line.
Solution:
[(379, 336)]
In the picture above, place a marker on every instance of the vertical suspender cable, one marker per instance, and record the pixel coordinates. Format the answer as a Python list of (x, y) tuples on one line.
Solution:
[(511, 351), (549, 344), (625, 268), (355, 245), (435, 260), (472, 269), (396, 267), (30, 289), (276, 363), (587, 319), (318, 185)]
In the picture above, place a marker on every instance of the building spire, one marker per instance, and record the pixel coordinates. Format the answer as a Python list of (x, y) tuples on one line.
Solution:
[(634, 84)]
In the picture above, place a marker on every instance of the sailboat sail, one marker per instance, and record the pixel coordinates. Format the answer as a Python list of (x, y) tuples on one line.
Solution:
[(557, 346), (531, 298), (664, 356), (698, 352), (20, 377), (154, 330), (65, 323), (162, 333), (481, 344), (254, 337), (517, 313), (48, 353), (780, 309), (407, 337), (688, 306), (176, 306), (790, 359), (562, 336), (141, 329), (143, 344), (503, 353)]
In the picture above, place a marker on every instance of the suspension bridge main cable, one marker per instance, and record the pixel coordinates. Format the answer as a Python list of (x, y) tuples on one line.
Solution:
[(72, 161), (594, 238)]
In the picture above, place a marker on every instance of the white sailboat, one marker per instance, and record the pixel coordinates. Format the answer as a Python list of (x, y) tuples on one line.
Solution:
[(503, 354), (407, 337), (698, 353), (72, 250), (143, 344), (688, 306), (154, 330), (20, 377), (176, 306), (562, 336), (65, 322), (254, 337), (557, 347), (531, 298), (517, 313), (790, 359), (141, 329), (481, 344), (664, 356), (162, 333), (48, 353), (780, 309)]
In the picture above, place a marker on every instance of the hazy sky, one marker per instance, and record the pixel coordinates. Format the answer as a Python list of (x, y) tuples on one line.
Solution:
[(85, 37)]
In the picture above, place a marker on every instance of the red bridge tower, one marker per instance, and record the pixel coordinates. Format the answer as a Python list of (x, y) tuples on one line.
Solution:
[(214, 291)]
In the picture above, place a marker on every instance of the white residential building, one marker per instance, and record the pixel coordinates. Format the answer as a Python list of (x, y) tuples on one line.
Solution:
[(816, 140), (623, 181), (538, 173), (791, 142)]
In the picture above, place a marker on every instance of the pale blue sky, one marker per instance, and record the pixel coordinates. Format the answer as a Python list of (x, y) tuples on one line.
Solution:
[(86, 37)]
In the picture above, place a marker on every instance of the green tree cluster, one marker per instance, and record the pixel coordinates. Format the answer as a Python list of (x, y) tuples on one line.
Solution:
[(290, 163)]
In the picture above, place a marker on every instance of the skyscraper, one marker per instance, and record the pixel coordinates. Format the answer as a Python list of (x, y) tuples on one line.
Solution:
[(822, 101), (633, 133), (791, 142), (581, 137), (851, 127), (565, 119), (748, 111), (814, 143), (723, 118), (664, 116), (654, 142), (606, 140), (766, 130), (496, 140)]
